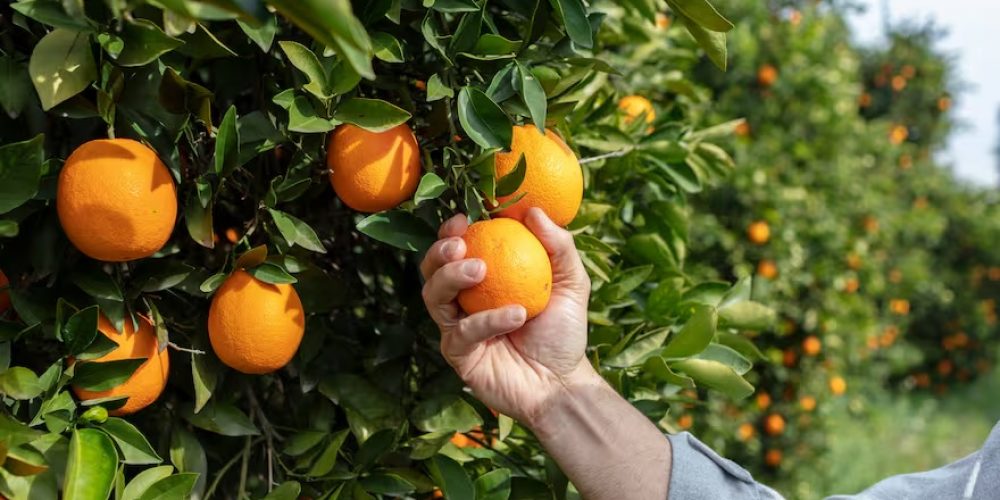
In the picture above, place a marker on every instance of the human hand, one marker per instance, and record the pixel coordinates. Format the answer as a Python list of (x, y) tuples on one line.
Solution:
[(511, 365)]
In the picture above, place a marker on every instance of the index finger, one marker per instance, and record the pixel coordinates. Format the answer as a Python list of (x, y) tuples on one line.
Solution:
[(455, 226)]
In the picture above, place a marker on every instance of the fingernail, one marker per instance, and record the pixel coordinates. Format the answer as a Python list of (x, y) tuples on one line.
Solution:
[(471, 268), (517, 315), (449, 249)]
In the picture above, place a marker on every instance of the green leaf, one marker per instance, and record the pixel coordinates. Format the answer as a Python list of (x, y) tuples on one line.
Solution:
[(328, 458), (198, 220), (288, 490), (483, 120), (51, 13), (574, 17), (532, 93), (104, 375), (715, 375), (301, 442), (703, 13), (204, 375), (274, 274), (374, 115), (436, 89), (15, 86), (695, 336), (451, 477), (712, 42), (332, 23), (740, 344), (144, 42), (8, 229), (262, 35), (135, 449), (726, 356), (306, 61), (387, 47), (302, 117), (187, 455), (447, 412), (657, 367), (227, 144), (20, 383), (625, 282), (175, 486), (399, 229), (20, 171), (222, 418), (143, 480), (90, 466), (80, 330), (296, 232), (746, 315), (494, 485), (509, 183), (639, 350), (97, 283), (160, 276), (387, 484), (61, 66), (212, 282), (431, 186)]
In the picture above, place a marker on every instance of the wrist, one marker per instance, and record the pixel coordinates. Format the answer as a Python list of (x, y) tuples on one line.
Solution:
[(570, 395)]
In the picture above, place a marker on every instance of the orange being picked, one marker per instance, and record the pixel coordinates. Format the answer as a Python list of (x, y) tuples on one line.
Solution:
[(553, 181), (148, 381), (634, 106), (373, 171), (759, 232), (518, 270), (255, 327), (116, 200)]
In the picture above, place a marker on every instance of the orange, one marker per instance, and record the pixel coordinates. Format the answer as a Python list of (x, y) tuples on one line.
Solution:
[(635, 105), (116, 200), (767, 75), (420, 85), (898, 83), (763, 400), (854, 261), (908, 71), (788, 358), (4, 296), (759, 232), (373, 171), (232, 235), (774, 424), (922, 380), (255, 327), (838, 385), (553, 181), (944, 104), (518, 270), (742, 129), (851, 285), (808, 403), (685, 421), (745, 432), (662, 21), (812, 345), (865, 100), (773, 458), (898, 134), (945, 367), (899, 306), (767, 270), (462, 441), (870, 224), (148, 381), (795, 17)]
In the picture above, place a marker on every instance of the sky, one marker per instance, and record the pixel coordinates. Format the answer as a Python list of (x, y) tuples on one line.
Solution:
[(973, 41)]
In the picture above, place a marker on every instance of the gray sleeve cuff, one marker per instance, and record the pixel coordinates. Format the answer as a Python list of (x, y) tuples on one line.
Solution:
[(698, 473)]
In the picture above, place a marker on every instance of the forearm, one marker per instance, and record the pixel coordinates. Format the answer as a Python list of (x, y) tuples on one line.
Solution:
[(607, 448)]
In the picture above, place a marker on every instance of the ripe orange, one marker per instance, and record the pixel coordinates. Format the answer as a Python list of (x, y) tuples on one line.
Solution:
[(767, 270), (662, 21), (232, 235), (255, 327), (898, 134), (807, 403), (773, 458), (518, 270), (553, 181), (116, 200), (742, 129), (788, 358), (759, 232), (898, 83), (420, 85), (462, 441), (635, 105), (908, 71), (838, 385), (851, 285), (4, 296), (685, 421), (899, 306), (944, 104), (373, 171), (812, 345), (945, 367), (763, 400), (767, 75), (148, 381), (746, 432), (774, 424)]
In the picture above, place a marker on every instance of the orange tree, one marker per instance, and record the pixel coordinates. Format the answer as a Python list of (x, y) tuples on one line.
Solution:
[(876, 259), (223, 299)]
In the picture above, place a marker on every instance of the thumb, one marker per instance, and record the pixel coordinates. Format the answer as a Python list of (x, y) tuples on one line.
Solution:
[(567, 268)]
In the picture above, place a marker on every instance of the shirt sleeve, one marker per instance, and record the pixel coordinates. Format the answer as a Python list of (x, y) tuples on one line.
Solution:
[(698, 473)]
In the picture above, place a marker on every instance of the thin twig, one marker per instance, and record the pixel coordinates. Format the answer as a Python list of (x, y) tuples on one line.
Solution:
[(244, 467), (613, 154), (222, 471), (268, 433), (184, 349)]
